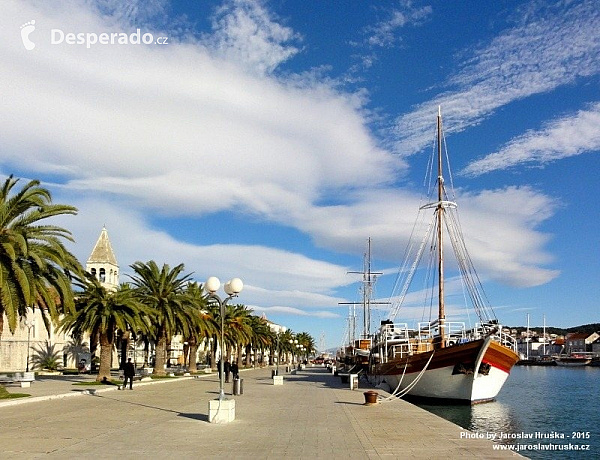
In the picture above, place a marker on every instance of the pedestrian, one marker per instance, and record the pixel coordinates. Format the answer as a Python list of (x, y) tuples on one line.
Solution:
[(227, 370), (235, 370), (128, 373), (219, 368)]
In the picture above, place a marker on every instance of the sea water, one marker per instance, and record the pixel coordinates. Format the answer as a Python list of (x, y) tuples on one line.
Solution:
[(542, 412)]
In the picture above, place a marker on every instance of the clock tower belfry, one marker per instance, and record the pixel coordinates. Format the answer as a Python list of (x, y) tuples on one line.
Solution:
[(102, 263)]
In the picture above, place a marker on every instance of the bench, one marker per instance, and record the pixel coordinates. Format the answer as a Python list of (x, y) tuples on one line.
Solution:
[(137, 376), (24, 380)]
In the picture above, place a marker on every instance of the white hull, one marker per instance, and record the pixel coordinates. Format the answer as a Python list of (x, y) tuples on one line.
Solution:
[(578, 363), (441, 384)]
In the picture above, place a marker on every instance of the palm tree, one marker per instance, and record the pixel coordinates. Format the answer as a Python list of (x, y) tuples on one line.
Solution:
[(46, 357), (104, 312), (306, 340), (75, 347), (204, 322), (259, 338), (237, 329), (163, 290), (35, 266)]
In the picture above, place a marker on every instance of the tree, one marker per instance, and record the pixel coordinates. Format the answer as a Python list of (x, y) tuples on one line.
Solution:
[(163, 290), (204, 323), (35, 266), (46, 357), (100, 311), (75, 347)]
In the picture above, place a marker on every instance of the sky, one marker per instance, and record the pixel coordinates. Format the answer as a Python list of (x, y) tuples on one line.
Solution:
[(268, 140)]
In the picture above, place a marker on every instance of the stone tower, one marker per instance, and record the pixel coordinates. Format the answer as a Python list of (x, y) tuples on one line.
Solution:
[(102, 263)]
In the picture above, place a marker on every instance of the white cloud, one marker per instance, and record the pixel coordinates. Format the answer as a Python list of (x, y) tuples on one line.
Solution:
[(383, 33), (560, 45), (278, 310), (244, 31), (562, 138)]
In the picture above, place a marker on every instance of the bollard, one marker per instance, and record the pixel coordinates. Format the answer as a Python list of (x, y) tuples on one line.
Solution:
[(370, 397), (238, 387)]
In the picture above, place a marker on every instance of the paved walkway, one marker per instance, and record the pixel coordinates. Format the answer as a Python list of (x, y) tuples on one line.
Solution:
[(312, 415)]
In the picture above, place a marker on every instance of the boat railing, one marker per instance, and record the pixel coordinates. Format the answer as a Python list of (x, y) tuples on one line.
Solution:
[(498, 332), (396, 331), (393, 340), (453, 331)]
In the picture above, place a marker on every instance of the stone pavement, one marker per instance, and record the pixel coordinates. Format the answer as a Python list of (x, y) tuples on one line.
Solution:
[(312, 415)]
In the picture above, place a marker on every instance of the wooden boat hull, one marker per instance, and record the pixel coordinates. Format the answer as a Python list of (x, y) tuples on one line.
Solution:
[(468, 373), (573, 362)]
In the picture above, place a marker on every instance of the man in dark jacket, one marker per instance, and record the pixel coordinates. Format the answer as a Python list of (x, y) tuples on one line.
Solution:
[(227, 370), (235, 370), (128, 373)]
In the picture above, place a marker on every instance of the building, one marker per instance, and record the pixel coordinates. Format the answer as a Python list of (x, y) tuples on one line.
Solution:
[(580, 342), (102, 262)]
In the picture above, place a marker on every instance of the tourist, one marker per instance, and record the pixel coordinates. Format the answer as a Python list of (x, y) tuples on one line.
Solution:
[(227, 370), (128, 373)]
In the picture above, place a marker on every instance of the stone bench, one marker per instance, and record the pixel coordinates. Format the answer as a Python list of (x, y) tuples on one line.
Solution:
[(24, 380)]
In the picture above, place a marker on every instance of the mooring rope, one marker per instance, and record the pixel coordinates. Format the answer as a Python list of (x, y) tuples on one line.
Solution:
[(411, 385)]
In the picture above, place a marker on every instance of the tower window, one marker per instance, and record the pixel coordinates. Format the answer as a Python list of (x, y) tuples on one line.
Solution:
[(102, 275), (94, 272)]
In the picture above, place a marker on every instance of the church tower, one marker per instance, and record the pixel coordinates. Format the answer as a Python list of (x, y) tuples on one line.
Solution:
[(102, 263)]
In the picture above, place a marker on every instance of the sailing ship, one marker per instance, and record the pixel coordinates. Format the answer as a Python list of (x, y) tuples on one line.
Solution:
[(574, 360), (439, 359)]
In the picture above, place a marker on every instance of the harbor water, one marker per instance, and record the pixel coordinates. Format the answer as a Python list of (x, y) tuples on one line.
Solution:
[(542, 412)]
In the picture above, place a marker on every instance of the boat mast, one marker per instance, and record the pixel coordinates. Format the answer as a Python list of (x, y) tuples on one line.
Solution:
[(440, 211), (367, 293), (368, 280)]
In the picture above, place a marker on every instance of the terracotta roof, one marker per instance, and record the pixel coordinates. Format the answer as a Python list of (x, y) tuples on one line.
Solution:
[(102, 252)]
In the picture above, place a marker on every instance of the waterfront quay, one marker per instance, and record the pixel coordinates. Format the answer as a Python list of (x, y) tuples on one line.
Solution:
[(312, 415)]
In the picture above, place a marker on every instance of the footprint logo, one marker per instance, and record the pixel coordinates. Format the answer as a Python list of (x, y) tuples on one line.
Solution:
[(26, 30)]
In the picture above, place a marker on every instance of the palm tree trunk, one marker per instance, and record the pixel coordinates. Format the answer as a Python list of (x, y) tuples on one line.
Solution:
[(105, 358), (248, 353), (161, 352), (193, 356)]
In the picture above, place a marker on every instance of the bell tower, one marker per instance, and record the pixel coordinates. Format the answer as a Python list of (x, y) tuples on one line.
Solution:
[(102, 263)]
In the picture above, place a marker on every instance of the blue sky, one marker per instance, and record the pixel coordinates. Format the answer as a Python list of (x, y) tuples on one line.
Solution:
[(269, 139)]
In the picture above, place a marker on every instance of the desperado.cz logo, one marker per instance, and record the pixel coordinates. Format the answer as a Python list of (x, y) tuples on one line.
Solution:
[(89, 39)]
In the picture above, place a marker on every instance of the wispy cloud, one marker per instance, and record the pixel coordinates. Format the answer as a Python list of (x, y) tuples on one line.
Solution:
[(246, 32), (553, 47), (384, 33), (279, 310), (562, 138)]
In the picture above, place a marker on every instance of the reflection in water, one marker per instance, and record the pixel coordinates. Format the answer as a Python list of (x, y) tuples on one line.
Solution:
[(544, 402)]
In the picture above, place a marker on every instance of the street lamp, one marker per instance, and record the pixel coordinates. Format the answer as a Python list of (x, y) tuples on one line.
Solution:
[(29, 323), (232, 288), (277, 353)]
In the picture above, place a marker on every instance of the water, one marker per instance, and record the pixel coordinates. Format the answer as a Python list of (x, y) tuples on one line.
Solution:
[(539, 402)]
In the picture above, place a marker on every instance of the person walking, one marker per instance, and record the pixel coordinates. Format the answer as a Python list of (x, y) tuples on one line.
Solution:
[(227, 370), (128, 373), (235, 370)]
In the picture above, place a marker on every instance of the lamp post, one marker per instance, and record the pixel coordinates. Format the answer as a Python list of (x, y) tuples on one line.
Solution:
[(277, 353), (29, 323), (232, 288)]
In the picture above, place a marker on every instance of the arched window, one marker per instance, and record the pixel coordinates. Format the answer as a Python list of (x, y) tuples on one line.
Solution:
[(94, 272), (102, 275)]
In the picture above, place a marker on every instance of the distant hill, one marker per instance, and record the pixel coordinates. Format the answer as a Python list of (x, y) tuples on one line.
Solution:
[(587, 328)]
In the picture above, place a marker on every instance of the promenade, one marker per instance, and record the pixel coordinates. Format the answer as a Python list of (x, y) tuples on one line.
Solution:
[(312, 415)]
